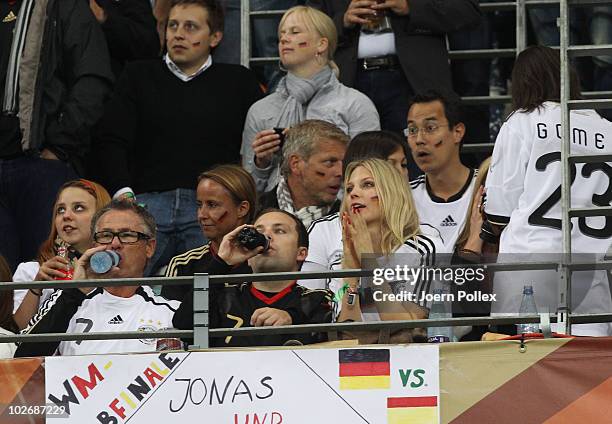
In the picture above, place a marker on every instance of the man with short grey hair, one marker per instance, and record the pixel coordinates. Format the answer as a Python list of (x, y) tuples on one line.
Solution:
[(311, 171), (128, 230)]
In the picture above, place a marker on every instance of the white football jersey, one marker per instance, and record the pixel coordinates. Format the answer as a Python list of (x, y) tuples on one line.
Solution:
[(447, 216), (524, 193), (101, 311), (325, 251), (524, 182)]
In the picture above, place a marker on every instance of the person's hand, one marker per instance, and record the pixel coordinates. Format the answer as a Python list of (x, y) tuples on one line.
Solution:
[(358, 13), (357, 235), (82, 271), (350, 258), (53, 268), (265, 317), (399, 7), (474, 241), (48, 154), (266, 143), (234, 253), (97, 11)]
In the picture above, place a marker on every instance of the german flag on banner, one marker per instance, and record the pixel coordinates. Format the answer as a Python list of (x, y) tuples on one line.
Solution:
[(364, 369), (413, 410)]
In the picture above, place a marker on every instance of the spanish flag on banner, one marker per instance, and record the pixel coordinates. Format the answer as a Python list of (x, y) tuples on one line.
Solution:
[(364, 369), (413, 410)]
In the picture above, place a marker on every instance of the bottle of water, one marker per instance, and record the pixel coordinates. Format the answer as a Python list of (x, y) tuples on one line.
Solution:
[(440, 309), (528, 307)]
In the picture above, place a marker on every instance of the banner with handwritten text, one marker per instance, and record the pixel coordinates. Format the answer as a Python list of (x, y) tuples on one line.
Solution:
[(375, 385)]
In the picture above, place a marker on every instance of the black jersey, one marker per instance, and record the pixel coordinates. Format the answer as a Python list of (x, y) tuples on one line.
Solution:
[(200, 260), (235, 304)]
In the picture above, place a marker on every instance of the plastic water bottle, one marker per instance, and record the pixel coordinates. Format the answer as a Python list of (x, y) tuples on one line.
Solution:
[(102, 262), (528, 307), (440, 309)]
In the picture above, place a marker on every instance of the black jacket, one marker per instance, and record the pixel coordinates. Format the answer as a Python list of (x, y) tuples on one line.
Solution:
[(420, 39), (74, 77)]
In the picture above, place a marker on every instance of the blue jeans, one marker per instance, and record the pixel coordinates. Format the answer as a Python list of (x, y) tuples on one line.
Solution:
[(544, 23), (228, 51), (601, 32), (178, 230), (28, 188)]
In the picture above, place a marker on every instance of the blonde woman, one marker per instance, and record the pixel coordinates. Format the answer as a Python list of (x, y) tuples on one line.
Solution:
[(379, 218), (310, 90)]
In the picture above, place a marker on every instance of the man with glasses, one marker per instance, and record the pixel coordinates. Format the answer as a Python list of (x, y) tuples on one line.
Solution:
[(435, 134), (130, 231)]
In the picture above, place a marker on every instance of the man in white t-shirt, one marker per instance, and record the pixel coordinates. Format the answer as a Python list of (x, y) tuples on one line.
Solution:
[(128, 230), (524, 193), (442, 195)]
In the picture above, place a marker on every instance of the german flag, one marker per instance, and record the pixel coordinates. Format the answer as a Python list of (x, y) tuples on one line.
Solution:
[(364, 369), (413, 410)]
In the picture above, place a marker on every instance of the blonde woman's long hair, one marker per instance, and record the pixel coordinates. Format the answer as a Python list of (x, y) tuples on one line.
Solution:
[(481, 179), (399, 219), (320, 23)]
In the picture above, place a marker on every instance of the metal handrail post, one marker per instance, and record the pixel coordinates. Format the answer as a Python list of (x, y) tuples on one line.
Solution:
[(565, 280), (245, 33), (201, 301), (521, 26)]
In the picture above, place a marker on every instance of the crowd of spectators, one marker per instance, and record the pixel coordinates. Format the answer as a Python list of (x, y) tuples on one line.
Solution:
[(352, 160)]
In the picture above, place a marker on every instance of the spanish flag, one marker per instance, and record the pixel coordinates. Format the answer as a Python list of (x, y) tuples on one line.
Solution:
[(413, 410), (364, 369)]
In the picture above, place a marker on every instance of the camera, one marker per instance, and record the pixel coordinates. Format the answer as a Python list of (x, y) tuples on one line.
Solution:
[(251, 239)]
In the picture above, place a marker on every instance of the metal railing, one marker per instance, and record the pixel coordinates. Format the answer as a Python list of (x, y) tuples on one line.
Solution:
[(201, 332)]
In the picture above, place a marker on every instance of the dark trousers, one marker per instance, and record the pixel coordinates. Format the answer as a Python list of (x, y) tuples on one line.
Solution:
[(28, 187), (390, 92)]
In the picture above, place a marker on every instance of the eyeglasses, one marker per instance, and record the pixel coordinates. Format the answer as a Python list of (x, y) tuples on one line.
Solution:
[(429, 129), (125, 237)]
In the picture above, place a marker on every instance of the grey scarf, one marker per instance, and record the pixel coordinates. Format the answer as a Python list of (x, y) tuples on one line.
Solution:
[(307, 214), (299, 93)]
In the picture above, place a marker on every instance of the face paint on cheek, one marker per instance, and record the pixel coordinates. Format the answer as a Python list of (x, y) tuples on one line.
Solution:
[(303, 44), (196, 44), (438, 144)]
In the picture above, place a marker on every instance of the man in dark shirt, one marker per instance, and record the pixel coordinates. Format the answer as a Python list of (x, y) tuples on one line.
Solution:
[(54, 76), (266, 303), (171, 119)]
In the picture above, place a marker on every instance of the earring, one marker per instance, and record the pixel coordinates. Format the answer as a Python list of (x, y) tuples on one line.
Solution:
[(281, 67)]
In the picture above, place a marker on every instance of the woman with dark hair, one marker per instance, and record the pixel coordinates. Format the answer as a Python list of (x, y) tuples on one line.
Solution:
[(227, 199), (70, 235), (324, 251), (385, 145), (7, 323), (524, 191)]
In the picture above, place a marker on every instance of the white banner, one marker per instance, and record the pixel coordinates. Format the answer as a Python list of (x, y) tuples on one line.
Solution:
[(376, 385)]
